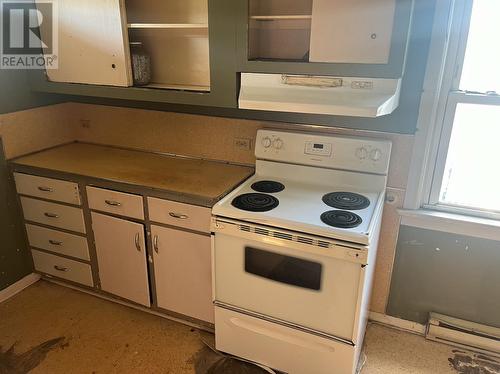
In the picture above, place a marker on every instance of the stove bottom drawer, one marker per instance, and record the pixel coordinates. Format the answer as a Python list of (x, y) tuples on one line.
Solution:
[(279, 347)]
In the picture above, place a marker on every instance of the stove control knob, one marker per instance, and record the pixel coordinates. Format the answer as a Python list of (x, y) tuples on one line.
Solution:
[(376, 154), (278, 143), (266, 142), (361, 153)]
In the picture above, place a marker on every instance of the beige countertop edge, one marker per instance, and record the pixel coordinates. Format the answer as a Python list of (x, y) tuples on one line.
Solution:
[(101, 182)]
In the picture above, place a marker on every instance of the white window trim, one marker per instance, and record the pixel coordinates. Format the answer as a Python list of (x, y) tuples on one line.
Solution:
[(443, 71)]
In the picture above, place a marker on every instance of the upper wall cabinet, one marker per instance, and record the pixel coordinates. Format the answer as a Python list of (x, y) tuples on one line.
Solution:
[(93, 43), (175, 36), (176, 51), (366, 38)]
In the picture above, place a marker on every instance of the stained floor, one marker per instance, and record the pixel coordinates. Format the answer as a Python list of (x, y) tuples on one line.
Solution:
[(53, 329)]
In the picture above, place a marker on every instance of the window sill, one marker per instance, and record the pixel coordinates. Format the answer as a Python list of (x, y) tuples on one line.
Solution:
[(459, 224)]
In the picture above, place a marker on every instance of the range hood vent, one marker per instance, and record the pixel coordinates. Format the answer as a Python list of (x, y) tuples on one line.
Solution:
[(339, 96)]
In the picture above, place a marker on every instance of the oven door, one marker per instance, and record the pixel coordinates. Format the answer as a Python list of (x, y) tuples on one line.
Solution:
[(299, 284)]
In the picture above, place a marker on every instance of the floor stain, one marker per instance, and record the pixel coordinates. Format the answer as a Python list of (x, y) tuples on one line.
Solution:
[(210, 361), (207, 361), (470, 363), (12, 363)]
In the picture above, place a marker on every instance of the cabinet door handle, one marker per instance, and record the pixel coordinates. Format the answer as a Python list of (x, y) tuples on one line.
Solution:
[(112, 203), (155, 243), (60, 268), (51, 215), (137, 242), (54, 242), (178, 215), (45, 189)]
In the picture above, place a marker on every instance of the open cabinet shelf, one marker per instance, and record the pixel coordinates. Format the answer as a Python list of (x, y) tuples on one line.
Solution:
[(168, 26), (175, 36), (282, 17), (279, 30), (178, 87)]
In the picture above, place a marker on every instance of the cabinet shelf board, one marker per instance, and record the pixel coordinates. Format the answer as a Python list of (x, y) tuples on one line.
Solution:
[(282, 18), (168, 26), (179, 87)]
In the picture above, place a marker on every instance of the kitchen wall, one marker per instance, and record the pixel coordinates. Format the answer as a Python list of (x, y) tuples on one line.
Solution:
[(446, 273)]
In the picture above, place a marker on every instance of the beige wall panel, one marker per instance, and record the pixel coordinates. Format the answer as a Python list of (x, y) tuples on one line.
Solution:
[(35, 129), (386, 250), (183, 134)]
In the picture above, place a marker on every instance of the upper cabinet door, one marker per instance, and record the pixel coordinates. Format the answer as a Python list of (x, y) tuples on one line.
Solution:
[(93, 43), (352, 31), (350, 38)]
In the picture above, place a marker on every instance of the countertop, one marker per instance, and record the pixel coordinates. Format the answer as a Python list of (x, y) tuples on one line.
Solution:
[(203, 180)]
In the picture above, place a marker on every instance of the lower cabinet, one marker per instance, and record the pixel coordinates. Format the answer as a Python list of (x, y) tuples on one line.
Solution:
[(183, 278), (121, 257), (62, 267)]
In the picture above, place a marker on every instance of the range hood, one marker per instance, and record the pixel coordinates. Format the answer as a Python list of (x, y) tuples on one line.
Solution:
[(339, 96)]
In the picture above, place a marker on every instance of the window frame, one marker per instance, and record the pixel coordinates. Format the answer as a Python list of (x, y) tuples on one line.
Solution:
[(447, 73)]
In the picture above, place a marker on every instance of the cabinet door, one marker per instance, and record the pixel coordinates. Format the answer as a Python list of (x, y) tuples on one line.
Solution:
[(183, 276), (93, 45), (121, 256), (344, 38), (352, 31)]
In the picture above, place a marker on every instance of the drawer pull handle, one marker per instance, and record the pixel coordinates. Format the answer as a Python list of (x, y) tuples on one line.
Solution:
[(178, 215), (45, 189), (137, 243), (55, 242), (112, 203), (51, 215), (155, 243), (60, 268)]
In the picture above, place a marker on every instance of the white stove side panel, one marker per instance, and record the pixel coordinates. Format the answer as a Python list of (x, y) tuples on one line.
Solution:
[(333, 152)]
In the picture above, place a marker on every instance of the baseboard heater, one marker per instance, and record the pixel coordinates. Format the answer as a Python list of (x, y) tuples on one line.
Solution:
[(464, 334)]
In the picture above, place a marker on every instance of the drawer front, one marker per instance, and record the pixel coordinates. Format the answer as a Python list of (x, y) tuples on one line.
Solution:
[(47, 188), (178, 214), (57, 241), (120, 203), (63, 268), (61, 216)]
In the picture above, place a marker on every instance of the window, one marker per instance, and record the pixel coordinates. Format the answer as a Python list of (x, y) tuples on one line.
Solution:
[(466, 178)]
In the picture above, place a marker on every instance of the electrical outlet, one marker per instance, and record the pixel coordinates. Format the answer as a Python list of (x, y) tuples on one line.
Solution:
[(243, 144), (85, 123)]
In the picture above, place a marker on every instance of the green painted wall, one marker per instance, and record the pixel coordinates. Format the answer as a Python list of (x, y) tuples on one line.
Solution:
[(446, 273), (15, 93), (15, 261)]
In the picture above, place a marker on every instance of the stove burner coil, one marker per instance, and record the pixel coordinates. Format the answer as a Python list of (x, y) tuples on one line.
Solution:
[(346, 200), (255, 202), (268, 186), (341, 219)]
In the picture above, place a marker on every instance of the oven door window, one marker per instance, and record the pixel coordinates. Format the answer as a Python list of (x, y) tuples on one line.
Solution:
[(284, 269)]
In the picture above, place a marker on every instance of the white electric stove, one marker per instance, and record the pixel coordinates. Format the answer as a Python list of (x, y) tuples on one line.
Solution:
[(294, 250)]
